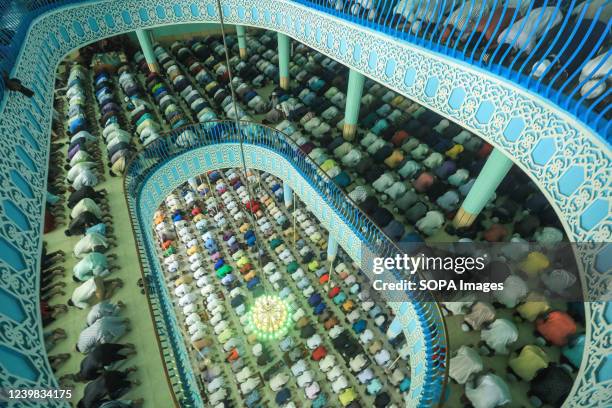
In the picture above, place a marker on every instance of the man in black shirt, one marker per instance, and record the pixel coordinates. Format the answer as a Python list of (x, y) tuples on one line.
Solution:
[(101, 356), (81, 223), (116, 147), (111, 383), (85, 192)]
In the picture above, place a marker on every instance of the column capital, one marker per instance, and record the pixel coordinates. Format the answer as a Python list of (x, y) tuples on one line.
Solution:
[(463, 218), (349, 131)]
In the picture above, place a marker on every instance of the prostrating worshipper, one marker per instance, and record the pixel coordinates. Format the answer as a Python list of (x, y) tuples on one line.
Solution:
[(524, 34), (551, 385), (464, 364), (105, 330), (497, 335), (480, 314), (112, 384), (94, 264), (514, 291), (488, 391), (88, 205), (101, 357), (556, 327), (92, 242), (530, 360), (102, 309), (534, 305), (80, 224), (92, 291), (86, 192)]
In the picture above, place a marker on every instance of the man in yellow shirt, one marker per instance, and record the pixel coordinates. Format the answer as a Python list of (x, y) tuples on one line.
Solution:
[(530, 360)]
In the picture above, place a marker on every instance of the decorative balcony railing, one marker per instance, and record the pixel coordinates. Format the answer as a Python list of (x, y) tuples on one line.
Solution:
[(560, 49), (219, 133), (15, 19), (174, 354)]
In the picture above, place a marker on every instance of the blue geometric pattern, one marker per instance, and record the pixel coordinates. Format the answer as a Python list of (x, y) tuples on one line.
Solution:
[(456, 98), (571, 180), (544, 151), (485, 112), (514, 129), (26, 123)]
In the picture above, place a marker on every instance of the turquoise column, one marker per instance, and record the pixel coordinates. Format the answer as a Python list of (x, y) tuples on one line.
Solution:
[(241, 34), (332, 248), (353, 103), (287, 195), (283, 60), (491, 175), (144, 38)]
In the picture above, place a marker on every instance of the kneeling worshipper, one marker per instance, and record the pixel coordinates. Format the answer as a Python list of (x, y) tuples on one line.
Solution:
[(99, 358), (466, 363), (92, 291), (488, 391), (108, 329), (94, 264)]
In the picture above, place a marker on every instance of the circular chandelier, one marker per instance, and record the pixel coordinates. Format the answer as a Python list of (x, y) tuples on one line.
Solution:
[(269, 318)]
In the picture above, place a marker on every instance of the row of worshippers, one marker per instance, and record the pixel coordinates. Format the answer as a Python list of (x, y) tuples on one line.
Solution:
[(417, 162), (538, 38), (90, 220), (118, 141)]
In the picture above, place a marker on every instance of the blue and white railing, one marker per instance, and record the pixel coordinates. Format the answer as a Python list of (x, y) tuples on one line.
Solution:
[(180, 141), (559, 49), (15, 19), (180, 377)]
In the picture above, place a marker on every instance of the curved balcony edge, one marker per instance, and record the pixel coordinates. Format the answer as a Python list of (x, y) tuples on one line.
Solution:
[(159, 169)]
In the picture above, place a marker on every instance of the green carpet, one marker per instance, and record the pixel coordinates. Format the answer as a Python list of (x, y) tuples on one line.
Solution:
[(154, 388)]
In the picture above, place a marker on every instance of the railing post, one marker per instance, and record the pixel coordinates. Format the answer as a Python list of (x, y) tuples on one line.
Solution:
[(332, 248)]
